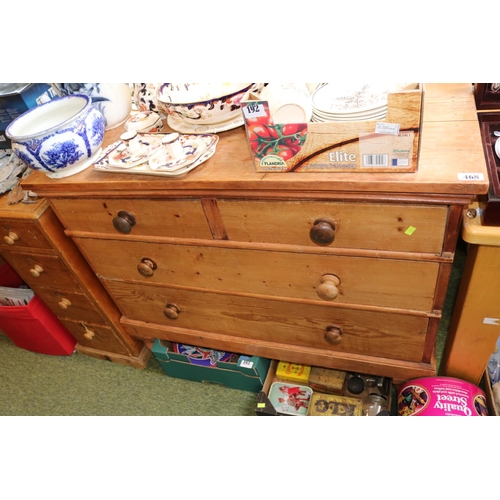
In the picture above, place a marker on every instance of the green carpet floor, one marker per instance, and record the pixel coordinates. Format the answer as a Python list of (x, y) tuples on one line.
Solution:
[(37, 384)]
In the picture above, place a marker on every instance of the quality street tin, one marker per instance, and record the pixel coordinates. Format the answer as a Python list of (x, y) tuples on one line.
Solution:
[(441, 396)]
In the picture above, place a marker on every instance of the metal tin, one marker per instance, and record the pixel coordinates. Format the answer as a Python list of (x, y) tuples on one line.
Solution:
[(441, 396), (330, 405), (293, 371), (327, 380), (290, 399)]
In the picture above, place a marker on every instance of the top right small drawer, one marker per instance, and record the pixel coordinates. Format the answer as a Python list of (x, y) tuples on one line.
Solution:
[(368, 226)]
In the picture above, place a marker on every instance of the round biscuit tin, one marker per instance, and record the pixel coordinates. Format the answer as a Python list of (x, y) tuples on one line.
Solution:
[(441, 396)]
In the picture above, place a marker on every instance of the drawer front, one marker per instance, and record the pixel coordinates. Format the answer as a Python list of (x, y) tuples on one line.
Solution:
[(41, 271), (395, 336), (96, 336), (408, 228), (360, 280), (170, 218), (70, 305), (16, 234)]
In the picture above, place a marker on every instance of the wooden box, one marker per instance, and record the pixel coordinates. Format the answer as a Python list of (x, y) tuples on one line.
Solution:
[(321, 403), (388, 145)]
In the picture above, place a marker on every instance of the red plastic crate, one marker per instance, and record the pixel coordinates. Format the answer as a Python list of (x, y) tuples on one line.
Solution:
[(9, 277), (35, 328)]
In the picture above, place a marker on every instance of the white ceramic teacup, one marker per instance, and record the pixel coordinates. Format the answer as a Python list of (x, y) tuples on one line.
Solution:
[(288, 102)]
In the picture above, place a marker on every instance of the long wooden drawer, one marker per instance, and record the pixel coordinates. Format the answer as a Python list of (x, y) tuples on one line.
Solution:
[(70, 305), (21, 235), (96, 336), (390, 283), (171, 218), (397, 336), (392, 227), (42, 270)]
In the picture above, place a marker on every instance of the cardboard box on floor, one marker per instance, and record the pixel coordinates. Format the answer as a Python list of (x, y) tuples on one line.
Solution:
[(389, 145), (247, 373)]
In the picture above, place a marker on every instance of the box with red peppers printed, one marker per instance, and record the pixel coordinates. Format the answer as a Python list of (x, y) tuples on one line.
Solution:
[(387, 145)]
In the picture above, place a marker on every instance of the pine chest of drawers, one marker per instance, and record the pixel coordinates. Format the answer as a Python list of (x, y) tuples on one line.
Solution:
[(33, 242), (341, 270)]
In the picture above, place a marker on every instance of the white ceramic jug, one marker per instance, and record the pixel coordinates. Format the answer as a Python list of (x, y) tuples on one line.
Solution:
[(113, 100)]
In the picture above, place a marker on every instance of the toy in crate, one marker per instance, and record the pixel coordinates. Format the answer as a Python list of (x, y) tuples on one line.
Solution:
[(206, 365)]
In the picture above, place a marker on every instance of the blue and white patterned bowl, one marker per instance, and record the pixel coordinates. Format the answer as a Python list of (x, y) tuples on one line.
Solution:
[(61, 137)]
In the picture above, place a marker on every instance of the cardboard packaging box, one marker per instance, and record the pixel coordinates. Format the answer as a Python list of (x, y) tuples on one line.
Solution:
[(388, 145), (246, 373), (15, 99)]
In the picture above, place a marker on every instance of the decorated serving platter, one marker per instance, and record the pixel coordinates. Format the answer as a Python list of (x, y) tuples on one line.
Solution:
[(154, 158)]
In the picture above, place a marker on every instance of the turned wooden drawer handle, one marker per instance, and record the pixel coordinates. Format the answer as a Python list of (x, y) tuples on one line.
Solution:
[(333, 335), (89, 334), (147, 267), (11, 238), (172, 311), (328, 289), (322, 232), (36, 271), (124, 222), (64, 303)]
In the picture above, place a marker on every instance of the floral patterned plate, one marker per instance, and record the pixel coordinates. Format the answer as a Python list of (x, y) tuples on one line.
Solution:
[(348, 98), (183, 127)]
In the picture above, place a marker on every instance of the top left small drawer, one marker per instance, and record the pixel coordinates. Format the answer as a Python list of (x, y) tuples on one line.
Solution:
[(22, 234), (159, 218)]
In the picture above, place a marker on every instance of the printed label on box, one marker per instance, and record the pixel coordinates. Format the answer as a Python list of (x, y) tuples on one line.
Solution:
[(385, 150)]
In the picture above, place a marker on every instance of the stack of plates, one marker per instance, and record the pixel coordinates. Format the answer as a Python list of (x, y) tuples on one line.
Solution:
[(10, 169), (350, 102)]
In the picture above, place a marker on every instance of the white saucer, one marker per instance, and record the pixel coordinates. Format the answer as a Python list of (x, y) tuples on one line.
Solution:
[(497, 147), (180, 125)]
